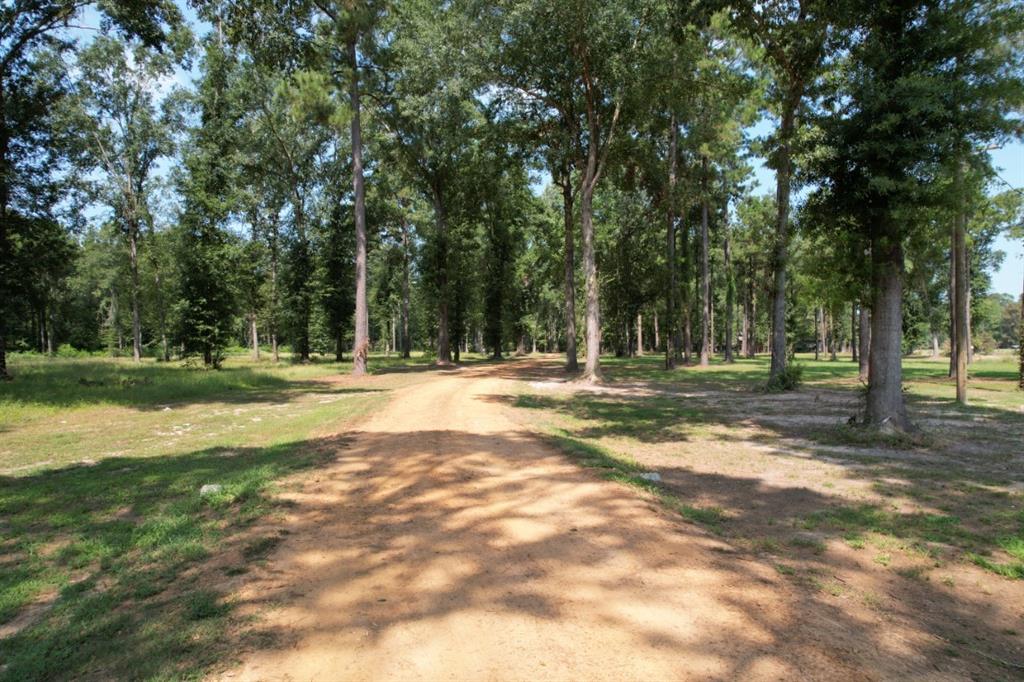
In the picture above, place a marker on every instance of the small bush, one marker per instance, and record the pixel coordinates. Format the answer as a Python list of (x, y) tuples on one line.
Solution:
[(788, 379)]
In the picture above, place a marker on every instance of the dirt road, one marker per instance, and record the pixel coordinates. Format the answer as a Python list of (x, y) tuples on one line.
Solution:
[(446, 542)]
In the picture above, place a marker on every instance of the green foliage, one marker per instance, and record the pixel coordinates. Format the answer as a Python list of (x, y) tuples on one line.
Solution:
[(205, 301), (789, 379)]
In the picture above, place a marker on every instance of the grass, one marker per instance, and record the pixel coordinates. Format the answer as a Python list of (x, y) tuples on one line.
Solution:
[(622, 469), (103, 531), (696, 411)]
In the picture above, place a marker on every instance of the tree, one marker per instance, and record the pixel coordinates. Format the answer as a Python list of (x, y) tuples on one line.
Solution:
[(900, 117), (206, 303), (124, 134), (28, 29), (792, 37)]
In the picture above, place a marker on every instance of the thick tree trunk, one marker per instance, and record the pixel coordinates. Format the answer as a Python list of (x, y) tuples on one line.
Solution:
[(592, 366), (361, 346), (272, 322), (640, 334), (817, 333), (864, 328), (672, 337), (960, 301), (705, 285), (444, 354), (833, 337), (752, 341), (1020, 333), (729, 293), (853, 331), (781, 255), (5, 244), (133, 263), (571, 364), (255, 331), (967, 282), (885, 406), (685, 298), (406, 342)]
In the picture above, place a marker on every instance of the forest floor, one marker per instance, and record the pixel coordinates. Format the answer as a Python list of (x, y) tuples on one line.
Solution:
[(437, 524)]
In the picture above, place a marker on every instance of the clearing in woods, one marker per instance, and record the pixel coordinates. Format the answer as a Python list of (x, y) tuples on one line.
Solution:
[(438, 524)]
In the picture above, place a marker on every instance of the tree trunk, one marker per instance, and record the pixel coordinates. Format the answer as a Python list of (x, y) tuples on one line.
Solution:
[(1020, 333), (5, 244), (255, 331), (729, 294), (864, 328), (752, 341), (444, 353), (705, 279), (640, 334), (781, 255), (817, 333), (571, 364), (361, 346), (592, 366), (657, 340), (686, 301), (833, 337), (745, 323), (961, 304), (967, 282), (672, 337), (853, 331), (935, 345), (406, 342), (885, 406), (272, 322), (133, 266)]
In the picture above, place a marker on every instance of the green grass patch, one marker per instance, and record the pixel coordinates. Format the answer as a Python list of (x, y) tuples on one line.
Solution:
[(625, 470), (102, 524)]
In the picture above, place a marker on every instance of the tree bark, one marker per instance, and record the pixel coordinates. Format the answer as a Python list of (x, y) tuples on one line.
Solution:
[(817, 333), (640, 334), (571, 364), (752, 341), (592, 366), (864, 329), (1020, 333), (729, 293), (960, 301), (781, 255), (705, 281), (444, 354), (255, 331), (672, 337), (833, 337), (361, 346), (657, 339), (885, 405), (685, 297), (853, 331), (406, 342), (5, 244), (133, 263)]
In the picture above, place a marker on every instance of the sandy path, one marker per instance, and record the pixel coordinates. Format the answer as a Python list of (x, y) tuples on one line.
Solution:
[(448, 543)]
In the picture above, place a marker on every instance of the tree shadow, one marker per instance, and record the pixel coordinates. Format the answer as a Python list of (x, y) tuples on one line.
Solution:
[(414, 540), (154, 387)]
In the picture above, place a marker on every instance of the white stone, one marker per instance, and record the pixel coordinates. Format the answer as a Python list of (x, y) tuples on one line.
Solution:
[(210, 489), (651, 476)]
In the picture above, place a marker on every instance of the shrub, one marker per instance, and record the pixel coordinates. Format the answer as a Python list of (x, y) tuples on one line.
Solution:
[(788, 379)]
